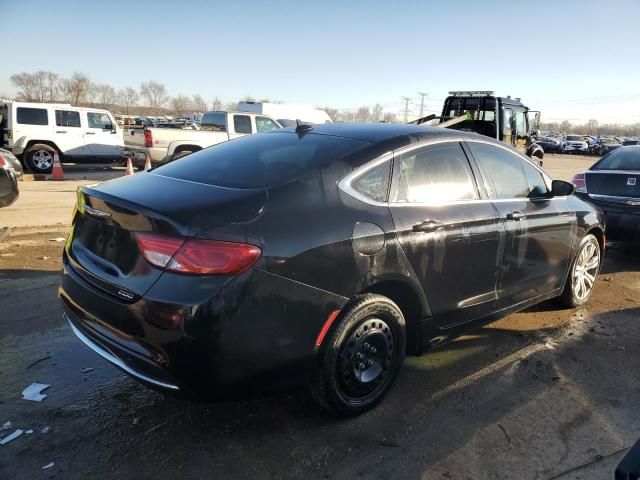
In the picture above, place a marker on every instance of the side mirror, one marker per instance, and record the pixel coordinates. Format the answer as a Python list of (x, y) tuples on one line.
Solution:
[(560, 188)]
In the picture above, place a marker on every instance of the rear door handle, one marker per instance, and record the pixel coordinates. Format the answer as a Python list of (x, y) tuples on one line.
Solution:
[(61, 131), (90, 133), (515, 216), (427, 226)]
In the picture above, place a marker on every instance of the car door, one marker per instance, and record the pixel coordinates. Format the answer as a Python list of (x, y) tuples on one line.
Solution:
[(68, 131), (539, 229), (449, 232), (101, 137)]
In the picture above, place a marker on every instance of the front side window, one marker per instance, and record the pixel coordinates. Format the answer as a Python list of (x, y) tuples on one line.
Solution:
[(99, 120), (508, 115), (374, 184), (264, 124), (521, 123), (242, 124), (508, 175), (67, 118), (32, 116), (434, 174)]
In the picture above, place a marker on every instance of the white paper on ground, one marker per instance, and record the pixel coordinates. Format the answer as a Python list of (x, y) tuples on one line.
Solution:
[(11, 437), (33, 392), (48, 465)]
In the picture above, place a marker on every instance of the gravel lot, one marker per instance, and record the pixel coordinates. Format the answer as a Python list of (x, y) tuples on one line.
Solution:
[(542, 394)]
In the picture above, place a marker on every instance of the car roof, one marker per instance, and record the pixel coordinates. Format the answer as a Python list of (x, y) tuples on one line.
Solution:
[(381, 132)]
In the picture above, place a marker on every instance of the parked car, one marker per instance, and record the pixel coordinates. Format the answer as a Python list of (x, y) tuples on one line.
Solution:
[(613, 184), (602, 146), (12, 162), (8, 182), (574, 144), (167, 144), (36, 131), (549, 144), (286, 113), (319, 256)]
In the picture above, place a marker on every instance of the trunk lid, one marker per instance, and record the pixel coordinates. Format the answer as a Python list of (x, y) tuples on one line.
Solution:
[(620, 186), (102, 247)]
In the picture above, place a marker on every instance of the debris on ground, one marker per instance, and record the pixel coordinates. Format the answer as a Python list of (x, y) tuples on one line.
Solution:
[(43, 257), (5, 232), (38, 361), (48, 466), (34, 392), (6, 426), (57, 239), (45, 430), (11, 437), (29, 432), (87, 369)]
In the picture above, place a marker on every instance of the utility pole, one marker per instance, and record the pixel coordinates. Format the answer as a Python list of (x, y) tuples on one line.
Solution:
[(406, 101), (422, 94)]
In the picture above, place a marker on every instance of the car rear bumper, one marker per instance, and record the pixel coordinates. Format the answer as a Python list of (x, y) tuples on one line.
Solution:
[(622, 221), (253, 334)]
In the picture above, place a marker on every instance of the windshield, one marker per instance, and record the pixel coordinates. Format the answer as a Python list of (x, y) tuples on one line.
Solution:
[(260, 161), (620, 159), (575, 138)]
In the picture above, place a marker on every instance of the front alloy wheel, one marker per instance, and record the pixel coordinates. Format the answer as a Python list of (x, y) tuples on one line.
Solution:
[(582, 276)]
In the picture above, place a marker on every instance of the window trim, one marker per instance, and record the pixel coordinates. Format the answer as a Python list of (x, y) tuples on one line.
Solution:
[(344, 184)]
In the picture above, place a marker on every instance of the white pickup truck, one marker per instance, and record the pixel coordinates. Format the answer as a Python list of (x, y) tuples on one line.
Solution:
[(166, 144)]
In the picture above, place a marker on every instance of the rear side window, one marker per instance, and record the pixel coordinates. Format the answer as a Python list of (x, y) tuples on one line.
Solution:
[(214, 122), (260, 161), (265, 124), (505, 171), (242, 124), (32, 116), (67, 118), (374, 184), (620, 159), (99, 120), (435, 174)]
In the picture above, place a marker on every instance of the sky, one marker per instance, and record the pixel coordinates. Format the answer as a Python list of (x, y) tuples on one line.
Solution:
[(572, 60)]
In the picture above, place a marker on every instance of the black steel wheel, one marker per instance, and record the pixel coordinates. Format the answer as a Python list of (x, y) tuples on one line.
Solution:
[(361, 356)]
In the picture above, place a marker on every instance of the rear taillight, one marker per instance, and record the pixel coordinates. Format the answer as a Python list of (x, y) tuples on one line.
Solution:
[(579, 180), (2, 161), (148, 140), (195, 256)]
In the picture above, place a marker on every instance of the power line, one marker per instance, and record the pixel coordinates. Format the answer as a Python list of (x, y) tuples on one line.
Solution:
[(422, 95), (406, 101)]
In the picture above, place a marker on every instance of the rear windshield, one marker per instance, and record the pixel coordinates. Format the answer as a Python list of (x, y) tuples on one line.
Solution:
[(214, 121), (575, 138), (620, 159), (260, 161)]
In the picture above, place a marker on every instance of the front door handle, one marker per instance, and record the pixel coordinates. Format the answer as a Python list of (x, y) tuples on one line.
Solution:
[(515, 215), (61, 131), (90, 133), (427, 226)]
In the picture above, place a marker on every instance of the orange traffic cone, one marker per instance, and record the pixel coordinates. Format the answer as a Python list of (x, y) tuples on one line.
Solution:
[(147, 162), (56, 172), (129, 167)]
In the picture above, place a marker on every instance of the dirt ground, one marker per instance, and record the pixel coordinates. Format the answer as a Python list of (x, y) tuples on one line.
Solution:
[(542, 394)]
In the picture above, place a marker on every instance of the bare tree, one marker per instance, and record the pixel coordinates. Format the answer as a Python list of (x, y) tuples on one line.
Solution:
[(52, 86), (127, 98), (231, 107), (181, 104), (40, 85), (389, 117), (565, 126), (198, 103), (155, 94), (248, 98), (592, 126), (332, 112), (75, 88), (92, 93), (376, 112), (216, 104), (363, 114), (25, 83), (106, 95), (347, 116)]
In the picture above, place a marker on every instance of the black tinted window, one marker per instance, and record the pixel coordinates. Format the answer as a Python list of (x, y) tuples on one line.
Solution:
[(504, 169), (261, 160), (435, 174), (67, 118), (620, 159), (242, 124), (374, 184), (214, 121), (32, 116)]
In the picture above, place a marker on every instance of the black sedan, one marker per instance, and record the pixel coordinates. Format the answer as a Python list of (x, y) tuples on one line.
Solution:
[(8, 180), (613, 184), (318, 256)]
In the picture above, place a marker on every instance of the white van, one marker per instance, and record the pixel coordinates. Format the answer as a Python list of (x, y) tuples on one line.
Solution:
[(35, 131), (286, 114)]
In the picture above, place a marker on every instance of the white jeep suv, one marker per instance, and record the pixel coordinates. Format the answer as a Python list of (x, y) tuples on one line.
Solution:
[(35, 131)]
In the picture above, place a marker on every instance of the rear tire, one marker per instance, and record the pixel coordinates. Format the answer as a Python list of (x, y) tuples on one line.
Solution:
[(39, 158), (361, 356), (583, 273)]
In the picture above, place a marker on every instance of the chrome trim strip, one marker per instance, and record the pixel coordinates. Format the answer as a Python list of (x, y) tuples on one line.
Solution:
[(115, 360)]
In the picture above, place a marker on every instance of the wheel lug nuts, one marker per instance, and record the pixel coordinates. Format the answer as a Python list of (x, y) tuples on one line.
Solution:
[(362, 366), (359, 356), (369, 362), (373, 349)]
